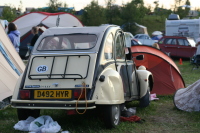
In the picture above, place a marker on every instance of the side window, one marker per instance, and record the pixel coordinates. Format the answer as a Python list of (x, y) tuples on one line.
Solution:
[(161, 41), (168, 41), (180, 42), (147, 37), (108, 48), (120, 51), (174, 41), (142, 37), (136, 36), (186, 42)]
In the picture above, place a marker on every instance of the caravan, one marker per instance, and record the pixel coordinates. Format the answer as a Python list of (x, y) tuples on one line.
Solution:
[(184, 27)]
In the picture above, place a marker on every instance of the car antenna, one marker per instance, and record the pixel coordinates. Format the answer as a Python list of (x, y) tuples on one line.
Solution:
[(58, 21)]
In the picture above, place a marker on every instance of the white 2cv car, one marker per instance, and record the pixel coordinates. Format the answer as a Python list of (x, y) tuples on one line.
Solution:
[(81, 68)]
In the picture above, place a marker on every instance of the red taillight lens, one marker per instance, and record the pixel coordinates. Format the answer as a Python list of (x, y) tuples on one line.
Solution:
[(77, 94), (25, 94)]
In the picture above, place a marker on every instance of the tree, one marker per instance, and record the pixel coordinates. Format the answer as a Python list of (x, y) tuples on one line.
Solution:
[(162, 12), (187, 9), (9, 13), (132, 13), (55, 6), (20, 7), (112, 12), (181, 11), (94, 14)]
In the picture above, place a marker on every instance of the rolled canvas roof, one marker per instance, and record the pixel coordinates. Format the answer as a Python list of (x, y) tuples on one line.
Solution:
[(9, 59), (26, 22), (167, 76)]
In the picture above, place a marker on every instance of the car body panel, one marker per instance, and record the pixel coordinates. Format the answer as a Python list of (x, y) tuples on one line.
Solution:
[(56, 67), (110, 91), (145, 39)]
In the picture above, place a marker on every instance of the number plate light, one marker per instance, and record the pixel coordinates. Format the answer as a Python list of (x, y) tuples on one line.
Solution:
[(25, 94)]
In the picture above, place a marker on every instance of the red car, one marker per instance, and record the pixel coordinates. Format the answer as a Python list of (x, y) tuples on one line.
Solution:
[(178, 46)]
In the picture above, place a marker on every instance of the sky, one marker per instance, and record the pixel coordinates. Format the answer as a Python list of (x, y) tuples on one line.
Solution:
[(80, 4)]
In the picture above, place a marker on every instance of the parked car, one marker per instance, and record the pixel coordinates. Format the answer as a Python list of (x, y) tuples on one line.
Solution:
[(131, 37), (178, 46), (135, 42), (82, 68), (145, 39)]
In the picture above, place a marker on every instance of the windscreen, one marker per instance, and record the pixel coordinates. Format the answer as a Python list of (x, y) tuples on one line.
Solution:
[(68, 42)]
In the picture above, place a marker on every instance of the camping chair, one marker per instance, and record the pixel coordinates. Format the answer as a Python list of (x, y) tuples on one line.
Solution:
[(196, 62)]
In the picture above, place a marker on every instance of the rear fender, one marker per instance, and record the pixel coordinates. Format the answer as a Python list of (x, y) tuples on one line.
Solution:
[(145, 79), (17, 86), (109, 91)]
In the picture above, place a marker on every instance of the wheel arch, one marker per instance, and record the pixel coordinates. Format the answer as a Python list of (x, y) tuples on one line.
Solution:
[(146, 81)]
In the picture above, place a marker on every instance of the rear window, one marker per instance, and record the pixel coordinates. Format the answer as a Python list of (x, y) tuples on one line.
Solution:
[(68, 42), (192, 42)]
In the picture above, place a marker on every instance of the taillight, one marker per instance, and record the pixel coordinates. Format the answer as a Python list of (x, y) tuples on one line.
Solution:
[(77, 94), (25, 94)]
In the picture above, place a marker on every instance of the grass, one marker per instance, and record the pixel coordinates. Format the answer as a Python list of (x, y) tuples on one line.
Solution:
[(160, 117)]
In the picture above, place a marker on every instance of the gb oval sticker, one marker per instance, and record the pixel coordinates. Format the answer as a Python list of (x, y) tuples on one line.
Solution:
[(41, 69)]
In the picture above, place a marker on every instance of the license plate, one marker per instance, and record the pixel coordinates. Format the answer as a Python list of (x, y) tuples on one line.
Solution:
[(52, 94)]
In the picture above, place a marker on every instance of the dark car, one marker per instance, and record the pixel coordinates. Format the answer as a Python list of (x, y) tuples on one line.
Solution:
[(178, 46)]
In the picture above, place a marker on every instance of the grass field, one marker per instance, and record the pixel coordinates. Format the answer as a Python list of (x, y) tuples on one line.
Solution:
[(160, 117)]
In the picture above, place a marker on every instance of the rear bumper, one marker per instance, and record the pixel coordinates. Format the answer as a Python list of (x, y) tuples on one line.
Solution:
[(68, 105)]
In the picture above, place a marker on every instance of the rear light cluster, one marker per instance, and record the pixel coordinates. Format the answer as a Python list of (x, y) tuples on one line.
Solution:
[(77, 93), (24, 94)]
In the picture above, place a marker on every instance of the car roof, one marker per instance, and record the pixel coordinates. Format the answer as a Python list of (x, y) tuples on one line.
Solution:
[(74, 30), (175, 37), (142, 34)]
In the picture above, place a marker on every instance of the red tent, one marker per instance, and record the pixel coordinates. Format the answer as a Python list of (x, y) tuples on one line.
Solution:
[(167, 77)]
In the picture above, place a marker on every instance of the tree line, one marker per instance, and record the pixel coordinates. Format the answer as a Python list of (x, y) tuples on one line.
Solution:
[(94, 14)]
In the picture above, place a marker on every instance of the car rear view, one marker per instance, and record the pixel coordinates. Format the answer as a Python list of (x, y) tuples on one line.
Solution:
[(81, 68), (55, 81)]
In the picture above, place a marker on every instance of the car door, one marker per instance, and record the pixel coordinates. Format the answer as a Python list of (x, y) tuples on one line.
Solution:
[(183, 48), (170, 46), (122, 65)]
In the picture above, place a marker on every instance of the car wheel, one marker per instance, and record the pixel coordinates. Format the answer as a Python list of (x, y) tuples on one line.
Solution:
[(145, 100), (23, 114), (112, 115)]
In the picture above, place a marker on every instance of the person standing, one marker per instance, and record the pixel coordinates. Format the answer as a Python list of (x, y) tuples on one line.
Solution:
[(198, 46), (14, 35), (34, 31)]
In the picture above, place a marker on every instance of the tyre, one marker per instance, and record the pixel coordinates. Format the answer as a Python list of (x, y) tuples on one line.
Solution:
[(112, 115), (145, 100), (23, 114)]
